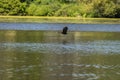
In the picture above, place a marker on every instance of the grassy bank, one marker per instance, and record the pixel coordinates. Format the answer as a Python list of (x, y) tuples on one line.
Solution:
[(46, 19), (53, 17)]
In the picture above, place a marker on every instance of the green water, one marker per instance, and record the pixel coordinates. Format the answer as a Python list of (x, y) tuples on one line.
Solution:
[(49, 55)]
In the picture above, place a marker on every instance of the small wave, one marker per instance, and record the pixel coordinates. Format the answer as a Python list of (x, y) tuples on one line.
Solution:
[(105, 47)]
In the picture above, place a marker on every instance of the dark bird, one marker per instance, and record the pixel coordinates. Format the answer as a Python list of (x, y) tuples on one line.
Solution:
[(65, 29)]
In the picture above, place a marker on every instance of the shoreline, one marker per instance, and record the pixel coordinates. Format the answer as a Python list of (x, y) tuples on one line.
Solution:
[(53, 19)]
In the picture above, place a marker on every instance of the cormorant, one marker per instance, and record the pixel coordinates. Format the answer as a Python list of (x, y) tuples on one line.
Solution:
[(65, 30)]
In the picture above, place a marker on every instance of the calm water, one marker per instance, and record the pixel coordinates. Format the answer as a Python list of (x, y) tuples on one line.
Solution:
[(37, 51)]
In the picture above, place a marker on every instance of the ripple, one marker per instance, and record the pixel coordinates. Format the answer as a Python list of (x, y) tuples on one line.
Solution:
[(106, 47)]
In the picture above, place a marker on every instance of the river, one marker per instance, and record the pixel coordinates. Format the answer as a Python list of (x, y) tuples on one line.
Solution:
[(38, 51)]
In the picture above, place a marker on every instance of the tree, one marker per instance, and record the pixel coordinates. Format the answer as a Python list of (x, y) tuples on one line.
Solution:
[(12, 7), (104, 8), (31, 9), (74, 8)]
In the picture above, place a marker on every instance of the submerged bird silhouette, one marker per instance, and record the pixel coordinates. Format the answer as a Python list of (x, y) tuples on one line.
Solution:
[(65, 29)]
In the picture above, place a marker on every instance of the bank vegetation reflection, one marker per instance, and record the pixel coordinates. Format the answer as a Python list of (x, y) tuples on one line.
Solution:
[(17, 64)]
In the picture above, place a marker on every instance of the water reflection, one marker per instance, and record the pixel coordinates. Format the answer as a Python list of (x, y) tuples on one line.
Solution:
[(43, 55), (59, 26)]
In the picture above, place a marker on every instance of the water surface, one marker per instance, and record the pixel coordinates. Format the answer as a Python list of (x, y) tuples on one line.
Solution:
[(43, 53), (59, 26)]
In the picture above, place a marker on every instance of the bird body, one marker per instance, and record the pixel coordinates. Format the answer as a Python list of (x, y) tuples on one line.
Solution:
[(65, 29)]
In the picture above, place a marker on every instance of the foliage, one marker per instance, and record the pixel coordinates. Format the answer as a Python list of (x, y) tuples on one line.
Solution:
[(31, 9), (70, 8), (42, 10), (117, 11), (104, 8), (12, 7)]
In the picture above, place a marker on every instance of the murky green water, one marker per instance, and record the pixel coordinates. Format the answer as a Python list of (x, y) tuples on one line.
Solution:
[(49, 55)]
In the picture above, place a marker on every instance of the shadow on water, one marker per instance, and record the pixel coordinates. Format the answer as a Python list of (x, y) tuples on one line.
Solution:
[(43, 55)]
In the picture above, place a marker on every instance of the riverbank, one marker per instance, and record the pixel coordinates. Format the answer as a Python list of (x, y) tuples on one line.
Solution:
[(46, 19), (54, 17)]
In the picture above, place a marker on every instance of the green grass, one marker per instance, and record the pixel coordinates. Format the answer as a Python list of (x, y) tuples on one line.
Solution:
[(46, 19)]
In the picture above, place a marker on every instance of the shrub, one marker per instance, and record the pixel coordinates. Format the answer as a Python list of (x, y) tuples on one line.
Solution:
[(117, 11), (31, 9), (41, 10), (104, 8), (62, 11)]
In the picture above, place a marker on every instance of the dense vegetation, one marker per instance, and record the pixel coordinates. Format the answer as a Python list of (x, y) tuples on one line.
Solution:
[(71, 8)]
